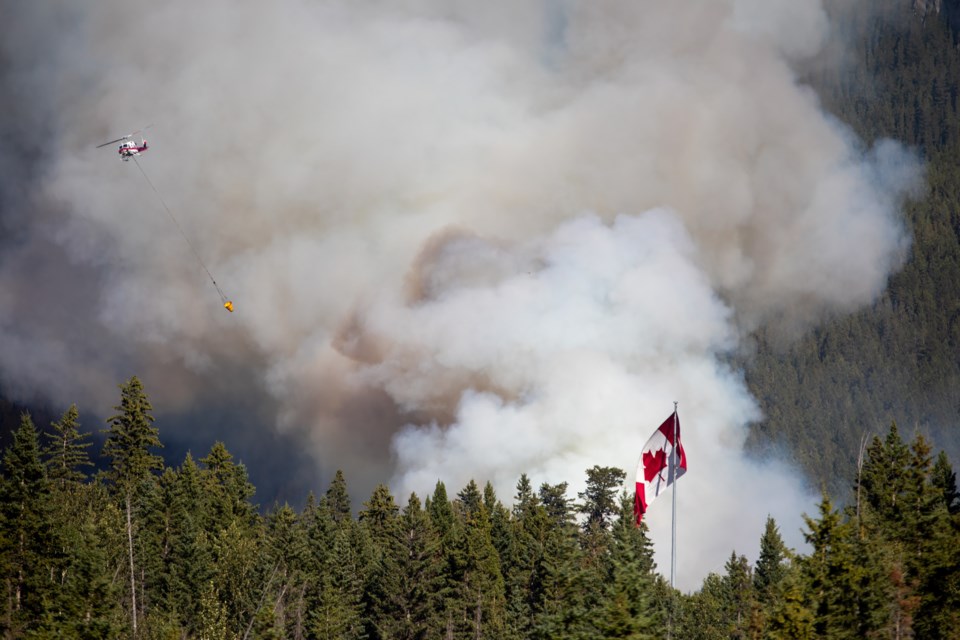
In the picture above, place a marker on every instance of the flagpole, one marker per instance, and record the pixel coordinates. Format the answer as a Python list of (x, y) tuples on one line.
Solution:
[(673, 472), (673, 541)]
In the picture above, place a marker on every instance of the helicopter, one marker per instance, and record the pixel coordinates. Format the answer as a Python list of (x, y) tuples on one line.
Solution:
[(128, 146)]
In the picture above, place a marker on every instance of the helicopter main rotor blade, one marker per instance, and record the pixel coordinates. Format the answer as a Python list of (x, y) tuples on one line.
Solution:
[(113, 141), (126, 137)]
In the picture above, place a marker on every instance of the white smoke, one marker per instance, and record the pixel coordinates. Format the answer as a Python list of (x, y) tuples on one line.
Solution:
[(465, 240)]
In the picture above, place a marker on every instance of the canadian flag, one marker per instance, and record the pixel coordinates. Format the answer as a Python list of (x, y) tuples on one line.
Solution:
[(655, 470)]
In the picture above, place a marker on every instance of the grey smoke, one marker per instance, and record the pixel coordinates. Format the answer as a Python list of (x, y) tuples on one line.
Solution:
[(464, 240)]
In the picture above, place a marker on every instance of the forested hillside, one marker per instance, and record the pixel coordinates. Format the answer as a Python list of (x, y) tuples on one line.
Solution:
[(144, 550), (898, 361)]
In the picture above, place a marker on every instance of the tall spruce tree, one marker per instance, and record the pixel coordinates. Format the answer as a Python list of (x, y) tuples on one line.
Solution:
[(529, 525), (703, 616), (287, 544), (418, 564), (480, 595), (844, 578), (65, 452), (30, 551), (130, 438), (340, 614), (561, 610), (627, 609), (599, 499), (380, 520), (740, 604), (771, 566), (337, 498), (228, 490), (944, 478)]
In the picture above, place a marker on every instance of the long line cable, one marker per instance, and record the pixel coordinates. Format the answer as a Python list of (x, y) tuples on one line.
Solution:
[(223, 298)]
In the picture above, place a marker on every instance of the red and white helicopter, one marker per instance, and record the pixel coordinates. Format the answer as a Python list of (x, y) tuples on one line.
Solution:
[(128, 146)]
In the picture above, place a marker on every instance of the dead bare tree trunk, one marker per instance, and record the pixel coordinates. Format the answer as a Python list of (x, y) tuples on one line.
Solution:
[(863, 444), (133, 574)]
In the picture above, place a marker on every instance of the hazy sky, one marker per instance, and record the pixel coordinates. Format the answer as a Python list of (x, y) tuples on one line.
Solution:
[(463, 240)]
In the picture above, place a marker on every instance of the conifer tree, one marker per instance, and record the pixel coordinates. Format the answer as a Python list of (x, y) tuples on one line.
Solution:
[(883, 481), (500, 530), (130, 438), (179, 519), (443, 522), (340, 612), (341, 555), (944, 478), (29, 555), (441, 513), (599, 499), (128, 445), (843, 577), (65, 453), (380, 513), (554, 500), (529, 526), (600, 504), (771, 566), (703, 615), (479, 599), (338, 500), (241, 579), (791, 619), (525, 499), (159, 542), (561, 610), (931, 556), (65, 459), (627, 608), (213, 617), (739, 601), (287, 551), (228, 490), (419, 566), (90, 606), (379, 518)]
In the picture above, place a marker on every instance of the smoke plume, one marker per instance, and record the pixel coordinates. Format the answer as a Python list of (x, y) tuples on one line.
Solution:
[(463, 240)]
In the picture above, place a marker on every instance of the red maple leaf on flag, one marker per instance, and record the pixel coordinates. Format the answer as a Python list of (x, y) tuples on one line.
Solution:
[(653, 463)]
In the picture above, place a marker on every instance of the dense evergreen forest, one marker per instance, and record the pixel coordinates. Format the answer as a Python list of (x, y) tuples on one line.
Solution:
[(899, 360), (143, 550)]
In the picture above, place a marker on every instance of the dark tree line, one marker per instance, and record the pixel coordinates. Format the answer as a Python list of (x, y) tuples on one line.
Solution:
[(146, 551), (141, 550)]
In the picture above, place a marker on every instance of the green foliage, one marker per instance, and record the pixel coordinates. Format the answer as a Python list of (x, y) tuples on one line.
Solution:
[(791, 618), (130, 438), (417, 599), (337, 498), (206, 564), (31, 551), (212, 616), (898, 360), (65, 452), (600, 496), (944, 479), (771, 566), (627, 609)]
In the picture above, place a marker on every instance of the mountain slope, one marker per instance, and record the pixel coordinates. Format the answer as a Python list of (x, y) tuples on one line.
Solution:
[(898, 361)]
